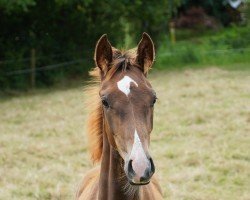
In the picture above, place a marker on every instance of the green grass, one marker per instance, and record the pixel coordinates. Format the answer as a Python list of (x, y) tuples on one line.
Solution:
[(200, 142), (221, 48)]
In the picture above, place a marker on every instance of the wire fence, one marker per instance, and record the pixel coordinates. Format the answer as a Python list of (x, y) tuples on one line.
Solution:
[(35, 64), (27, 59), (77, 61), (44, 68)]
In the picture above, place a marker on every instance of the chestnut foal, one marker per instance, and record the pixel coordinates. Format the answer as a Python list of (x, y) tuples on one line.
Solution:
[(120, 125)]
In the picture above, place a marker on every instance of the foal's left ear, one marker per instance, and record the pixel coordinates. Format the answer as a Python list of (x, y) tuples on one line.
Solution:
[(145, 53), (103, 54)]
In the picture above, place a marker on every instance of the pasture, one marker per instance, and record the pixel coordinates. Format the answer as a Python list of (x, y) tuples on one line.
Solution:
[(200, 143)]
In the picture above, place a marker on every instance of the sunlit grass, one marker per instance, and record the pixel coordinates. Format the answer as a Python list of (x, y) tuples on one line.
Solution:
[(200, 142)]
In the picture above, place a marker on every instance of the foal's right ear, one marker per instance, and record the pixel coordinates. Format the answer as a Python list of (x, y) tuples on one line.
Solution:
[(145, 53), (103, 54)]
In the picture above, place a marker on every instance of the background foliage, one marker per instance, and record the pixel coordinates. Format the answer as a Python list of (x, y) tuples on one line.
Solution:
[(66, 30)]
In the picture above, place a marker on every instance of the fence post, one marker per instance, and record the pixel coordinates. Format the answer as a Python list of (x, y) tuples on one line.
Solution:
[(33, 68), (172, 32)]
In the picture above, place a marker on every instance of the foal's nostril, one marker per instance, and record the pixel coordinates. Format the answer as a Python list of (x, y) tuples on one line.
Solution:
[(152, 165), (131, 172), (146, 176), (148, 172)]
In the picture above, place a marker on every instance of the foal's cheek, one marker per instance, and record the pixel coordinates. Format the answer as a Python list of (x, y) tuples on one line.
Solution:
[(110, 115), (120, 147)]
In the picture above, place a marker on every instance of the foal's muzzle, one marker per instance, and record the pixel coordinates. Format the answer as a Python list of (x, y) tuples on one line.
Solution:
[(141, 177)]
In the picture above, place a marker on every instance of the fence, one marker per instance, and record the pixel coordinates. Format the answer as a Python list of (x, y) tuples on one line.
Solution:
[(33, 67), (32, 70)]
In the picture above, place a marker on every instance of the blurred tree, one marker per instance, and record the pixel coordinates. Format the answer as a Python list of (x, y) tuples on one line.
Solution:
[(15, 6), (62, 30)]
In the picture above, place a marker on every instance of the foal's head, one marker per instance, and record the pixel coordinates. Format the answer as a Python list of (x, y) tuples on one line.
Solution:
[(128, 103)]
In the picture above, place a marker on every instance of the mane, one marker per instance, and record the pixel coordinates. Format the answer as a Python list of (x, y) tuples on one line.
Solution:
[(121, 62), (94, 122)]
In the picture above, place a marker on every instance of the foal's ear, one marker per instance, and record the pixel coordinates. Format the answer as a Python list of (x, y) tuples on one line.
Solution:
[(103, 54), (145, 53)]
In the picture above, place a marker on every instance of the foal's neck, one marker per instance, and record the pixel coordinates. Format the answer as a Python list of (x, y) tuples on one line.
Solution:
[(113, 183)]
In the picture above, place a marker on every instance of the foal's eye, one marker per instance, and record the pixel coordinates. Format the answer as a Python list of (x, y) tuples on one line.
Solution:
[(154, 101), (105, 103)]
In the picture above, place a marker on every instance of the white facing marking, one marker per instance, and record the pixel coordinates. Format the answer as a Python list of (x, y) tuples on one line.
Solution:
[(124, 84), (137, 147)]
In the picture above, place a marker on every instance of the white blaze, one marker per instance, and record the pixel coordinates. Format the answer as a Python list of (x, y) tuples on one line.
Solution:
[(137, 150), (124, 84)]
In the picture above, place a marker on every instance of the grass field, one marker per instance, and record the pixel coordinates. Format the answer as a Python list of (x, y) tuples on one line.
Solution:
[(200, 142)]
